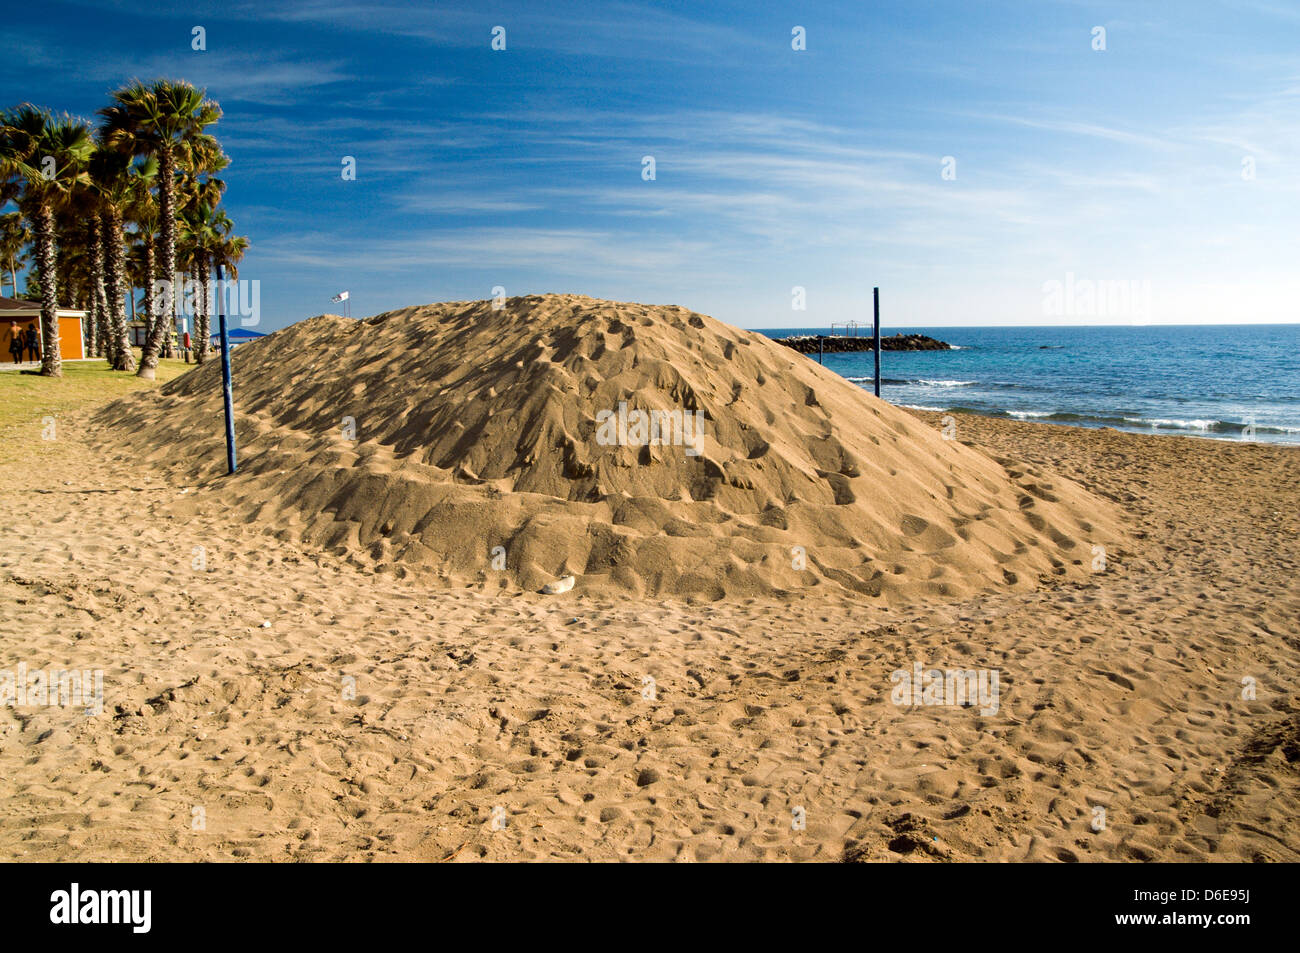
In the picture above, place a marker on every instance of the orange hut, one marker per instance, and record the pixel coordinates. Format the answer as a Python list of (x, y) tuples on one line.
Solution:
[(16, 311)]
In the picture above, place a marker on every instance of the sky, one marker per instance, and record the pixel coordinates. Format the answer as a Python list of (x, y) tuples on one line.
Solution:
[(982, 163)]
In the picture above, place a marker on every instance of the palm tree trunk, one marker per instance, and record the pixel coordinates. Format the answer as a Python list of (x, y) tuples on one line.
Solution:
[(203, 318), (97, 291), (167, 235), (130, 328), (51, 355), (149, 272), (123, 359), (95, 330), (87, 328), (92, 329)]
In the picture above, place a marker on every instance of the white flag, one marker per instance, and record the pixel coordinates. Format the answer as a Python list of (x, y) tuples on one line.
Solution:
[(341, 296)]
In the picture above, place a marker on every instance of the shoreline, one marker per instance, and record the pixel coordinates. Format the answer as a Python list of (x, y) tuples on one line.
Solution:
[(1081, 425), (1199, 382)]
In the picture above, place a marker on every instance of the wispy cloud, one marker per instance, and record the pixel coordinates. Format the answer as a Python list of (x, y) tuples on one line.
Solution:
[(773, 167)]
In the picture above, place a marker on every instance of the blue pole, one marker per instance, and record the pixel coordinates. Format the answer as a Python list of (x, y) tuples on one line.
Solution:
[(876, 332), (225, 375)]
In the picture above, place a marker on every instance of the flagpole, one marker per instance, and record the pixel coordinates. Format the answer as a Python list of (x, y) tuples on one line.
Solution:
[(345, 297), (225, 374)]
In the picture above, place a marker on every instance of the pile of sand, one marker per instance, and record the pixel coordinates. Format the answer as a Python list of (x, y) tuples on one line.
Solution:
[(452, 439)]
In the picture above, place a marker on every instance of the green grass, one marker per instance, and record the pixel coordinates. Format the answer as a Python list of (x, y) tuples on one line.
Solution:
[(26, 399)]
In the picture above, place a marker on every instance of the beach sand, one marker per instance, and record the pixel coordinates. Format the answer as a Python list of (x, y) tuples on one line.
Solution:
[(402, 715)]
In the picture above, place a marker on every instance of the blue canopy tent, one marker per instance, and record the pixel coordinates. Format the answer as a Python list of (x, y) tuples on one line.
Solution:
[(237, 336)]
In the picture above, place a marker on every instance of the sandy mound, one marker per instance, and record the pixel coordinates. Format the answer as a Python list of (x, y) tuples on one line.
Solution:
[(453, 439)]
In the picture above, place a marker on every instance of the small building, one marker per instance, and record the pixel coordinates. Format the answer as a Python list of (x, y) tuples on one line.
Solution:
[(17, 311), (138, 332)]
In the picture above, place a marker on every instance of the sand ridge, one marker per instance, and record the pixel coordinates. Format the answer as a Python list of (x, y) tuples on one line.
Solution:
[(470, 444)]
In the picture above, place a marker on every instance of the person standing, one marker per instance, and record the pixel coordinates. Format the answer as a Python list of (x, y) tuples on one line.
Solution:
[(33, 343), (15, 342)]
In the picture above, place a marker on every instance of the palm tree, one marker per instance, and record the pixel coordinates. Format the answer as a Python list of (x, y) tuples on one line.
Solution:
[(187, 256), (161, 119), (48, 154), (144, 216), (80, 283), (81, 264), (15, 236), (225, 251), (228, 253), (203, 224), (207, 230), (116, 178)]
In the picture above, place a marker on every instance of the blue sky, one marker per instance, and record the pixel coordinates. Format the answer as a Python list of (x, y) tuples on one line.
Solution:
[(775, 168)]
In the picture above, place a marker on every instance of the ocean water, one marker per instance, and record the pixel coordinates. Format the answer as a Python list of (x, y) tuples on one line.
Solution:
[(1192, 380)]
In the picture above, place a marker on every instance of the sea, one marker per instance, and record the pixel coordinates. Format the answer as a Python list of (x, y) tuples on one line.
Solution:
[(1238, 382)]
